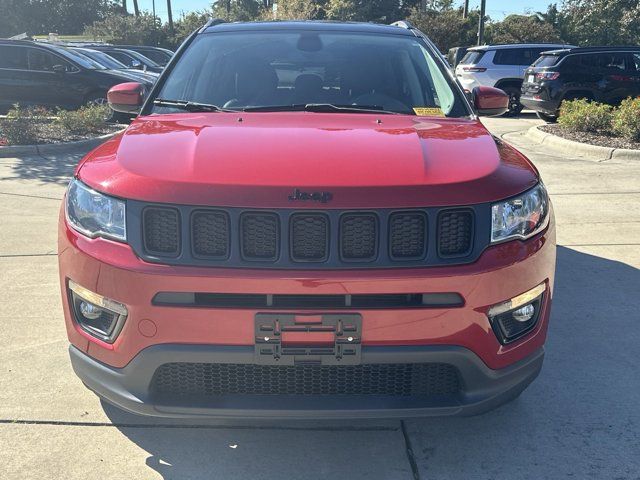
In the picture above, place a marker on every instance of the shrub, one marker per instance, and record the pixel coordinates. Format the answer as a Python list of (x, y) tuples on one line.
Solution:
[(21, 125), (87, 119), (626, 119), (584, 116)]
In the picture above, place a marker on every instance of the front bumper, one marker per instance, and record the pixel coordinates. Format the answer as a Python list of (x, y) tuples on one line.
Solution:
[(482, 388)]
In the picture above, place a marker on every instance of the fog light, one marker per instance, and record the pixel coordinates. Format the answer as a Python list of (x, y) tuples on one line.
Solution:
[(524, 314), (99, 316), (514, 318)]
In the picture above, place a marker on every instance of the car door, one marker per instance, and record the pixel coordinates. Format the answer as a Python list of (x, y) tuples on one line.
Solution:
[(506, 61), (52, 79), (13, 66), (633, 68), (614, 76)]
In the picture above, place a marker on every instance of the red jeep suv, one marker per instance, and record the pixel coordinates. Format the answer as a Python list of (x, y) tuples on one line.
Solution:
[(306, 219)]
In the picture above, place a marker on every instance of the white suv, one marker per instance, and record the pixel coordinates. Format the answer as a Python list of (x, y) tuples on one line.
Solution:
[(500, 66)]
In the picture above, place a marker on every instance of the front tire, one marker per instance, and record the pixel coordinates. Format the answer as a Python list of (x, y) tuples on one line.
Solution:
[(546, 117), (101, 99), (515, 107)]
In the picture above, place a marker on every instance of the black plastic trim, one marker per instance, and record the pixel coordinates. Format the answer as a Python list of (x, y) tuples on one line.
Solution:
[(179, 221), (426, 235), (327, 236), (376, 247), (229, 234), (473, 228)]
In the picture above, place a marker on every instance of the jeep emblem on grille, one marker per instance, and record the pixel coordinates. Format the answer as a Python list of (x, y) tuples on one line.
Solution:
[(322, 197)]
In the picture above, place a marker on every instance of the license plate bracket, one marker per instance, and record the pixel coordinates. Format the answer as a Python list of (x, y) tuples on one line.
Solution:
[(292, 339)]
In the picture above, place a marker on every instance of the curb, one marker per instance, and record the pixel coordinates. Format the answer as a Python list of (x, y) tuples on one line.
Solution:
[(48, 148), (570, 147)]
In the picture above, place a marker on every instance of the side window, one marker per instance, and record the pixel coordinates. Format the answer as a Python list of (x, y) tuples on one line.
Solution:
[(43, 61), (611, 61), (633, 62), (573, 62), (508, 56), (126, 59), (636, 61), (529, 55), (12, 57)]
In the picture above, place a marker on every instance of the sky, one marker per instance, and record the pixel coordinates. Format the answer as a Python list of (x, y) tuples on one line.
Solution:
[(496, 9)]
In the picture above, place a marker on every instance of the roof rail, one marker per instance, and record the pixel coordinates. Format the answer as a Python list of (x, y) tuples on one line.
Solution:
[(406, 24), (212, 22)]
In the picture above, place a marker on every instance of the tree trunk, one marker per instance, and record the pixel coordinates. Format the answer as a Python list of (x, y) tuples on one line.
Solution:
[(124, 6), (465, 11), (136, 9), (170, 16)]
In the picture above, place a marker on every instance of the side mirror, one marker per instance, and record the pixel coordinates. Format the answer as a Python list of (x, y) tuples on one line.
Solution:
[(136, 64), (489, 101), (59, 69), (126, 97)]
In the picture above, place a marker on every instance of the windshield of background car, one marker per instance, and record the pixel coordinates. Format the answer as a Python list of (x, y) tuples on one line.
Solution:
[(81, 59), (471, 58), (103, 59), (259, 69), (546, 61)]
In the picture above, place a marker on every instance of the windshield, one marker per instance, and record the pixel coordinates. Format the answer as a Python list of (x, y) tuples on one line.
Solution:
[(546, 61), (246, 70), (80, 59), (472, 57), (103, 59)]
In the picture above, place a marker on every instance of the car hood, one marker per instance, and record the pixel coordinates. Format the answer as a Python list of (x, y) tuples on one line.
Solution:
[(131, 76), (258, 159)]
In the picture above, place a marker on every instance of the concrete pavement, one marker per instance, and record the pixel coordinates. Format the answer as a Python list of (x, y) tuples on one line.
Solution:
[(580, 419)]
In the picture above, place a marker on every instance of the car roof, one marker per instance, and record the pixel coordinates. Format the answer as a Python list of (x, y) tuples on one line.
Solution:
[(484, 48), (566, 51), (312, 25)]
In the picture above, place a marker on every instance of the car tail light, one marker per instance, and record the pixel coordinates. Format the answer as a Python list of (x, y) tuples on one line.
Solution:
[(474, 69), (547, 75)]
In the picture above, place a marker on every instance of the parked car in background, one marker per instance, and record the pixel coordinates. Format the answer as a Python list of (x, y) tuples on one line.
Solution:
[(604, 74), (50, 75), (456, 54), (500, 66), (159, 55), (113, 64), (130, 58)]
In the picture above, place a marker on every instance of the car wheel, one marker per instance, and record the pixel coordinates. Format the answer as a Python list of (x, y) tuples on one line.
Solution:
[(100, 99), (547, 118), (515, 107)]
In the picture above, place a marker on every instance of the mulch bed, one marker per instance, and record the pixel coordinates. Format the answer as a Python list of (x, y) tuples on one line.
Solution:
[(590, 138)]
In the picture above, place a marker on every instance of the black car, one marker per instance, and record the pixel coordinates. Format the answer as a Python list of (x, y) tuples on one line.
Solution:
[(159, 55), (603, 74), (37, 73), (113, 64), (130, 58)]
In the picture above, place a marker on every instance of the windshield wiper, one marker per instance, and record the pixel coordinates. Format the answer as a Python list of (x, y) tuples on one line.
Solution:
[(190, 106), (320, 108)]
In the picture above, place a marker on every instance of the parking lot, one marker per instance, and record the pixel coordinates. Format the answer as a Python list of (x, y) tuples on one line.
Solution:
[(580, 419)]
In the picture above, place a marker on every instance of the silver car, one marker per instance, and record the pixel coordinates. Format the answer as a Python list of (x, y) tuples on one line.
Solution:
[(500, 66)]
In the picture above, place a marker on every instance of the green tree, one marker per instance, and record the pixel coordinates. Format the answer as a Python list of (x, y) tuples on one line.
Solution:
[(522, 29), (61, 16), (295, 10), (238, 10), (129, 29), (447, 29), (186, 25), (601, 22), (381, 11)]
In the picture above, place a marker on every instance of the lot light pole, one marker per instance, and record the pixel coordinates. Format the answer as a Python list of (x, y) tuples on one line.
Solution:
[(483, 9), (465, 10)]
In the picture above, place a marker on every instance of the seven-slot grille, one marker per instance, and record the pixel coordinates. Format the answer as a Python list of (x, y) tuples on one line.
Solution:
[(294, 238), (455, 230)]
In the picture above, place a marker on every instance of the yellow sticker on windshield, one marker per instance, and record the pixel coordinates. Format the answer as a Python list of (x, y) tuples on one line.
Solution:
[(428, 112)]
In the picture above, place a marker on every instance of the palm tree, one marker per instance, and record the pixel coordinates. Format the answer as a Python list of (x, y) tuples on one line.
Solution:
[(136, 9), (124, 5), (170, 15)]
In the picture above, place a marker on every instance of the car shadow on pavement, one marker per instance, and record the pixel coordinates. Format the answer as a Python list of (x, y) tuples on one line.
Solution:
[(580, 418), (54, 168)]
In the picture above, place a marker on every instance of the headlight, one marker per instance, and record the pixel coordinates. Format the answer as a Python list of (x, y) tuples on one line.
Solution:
[(95, 214), (520, 217)]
